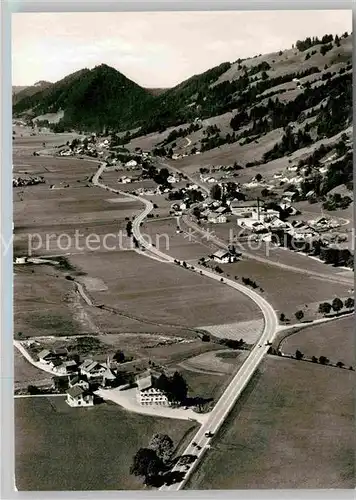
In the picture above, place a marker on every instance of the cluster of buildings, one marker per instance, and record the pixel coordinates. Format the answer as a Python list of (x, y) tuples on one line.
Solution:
[(80, 375), (214, 212), (83, 375), (147, 393), (86, 145), (30, 181)]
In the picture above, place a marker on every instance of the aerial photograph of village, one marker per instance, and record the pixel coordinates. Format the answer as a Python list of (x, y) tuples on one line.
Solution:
[(183, 250)]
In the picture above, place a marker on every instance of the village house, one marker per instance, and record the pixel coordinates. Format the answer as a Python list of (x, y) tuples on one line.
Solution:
[(20, 260), (77, 379), (216, 218), (278, 176), (259, 228), (183, 206), (124, 179), (242, 210), (292, 168), (221, 210), (192, 187), (92, 369), (172, 179), (148, 394), (79, 396), (46, 356), (287, 207), (63, 367), (223, 257), (289, 196), (131, 163)]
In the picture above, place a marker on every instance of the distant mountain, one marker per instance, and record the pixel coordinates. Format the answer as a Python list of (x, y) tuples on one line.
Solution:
[(18, 88), (261, 93), (42, 84), (21, 92), (91, 99)]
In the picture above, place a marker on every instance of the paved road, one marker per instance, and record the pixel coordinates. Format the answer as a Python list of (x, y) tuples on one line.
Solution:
[(223, 407), (236, 386)]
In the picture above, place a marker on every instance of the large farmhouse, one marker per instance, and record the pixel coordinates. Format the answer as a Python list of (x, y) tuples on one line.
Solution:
[(79, 396), (224, 256), (148, 394)]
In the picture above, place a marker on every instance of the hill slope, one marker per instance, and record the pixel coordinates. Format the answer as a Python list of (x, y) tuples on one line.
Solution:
[(244, 99), (21, 92), (90, 99)]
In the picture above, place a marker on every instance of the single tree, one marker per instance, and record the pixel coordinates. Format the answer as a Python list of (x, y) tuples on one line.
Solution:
[(32, 389), (299, 315), (324, 308), (60, 383), (179, 387), (337, 304), (163, 445), (282, 317), (323, 360), (129, 229), (146, 463), (216, 192), (314, 359), (350, 303), (298, 354), (340, 364), (119, 356)]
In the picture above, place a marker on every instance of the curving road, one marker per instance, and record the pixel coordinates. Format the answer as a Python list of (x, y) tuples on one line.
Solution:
[(223, 407)]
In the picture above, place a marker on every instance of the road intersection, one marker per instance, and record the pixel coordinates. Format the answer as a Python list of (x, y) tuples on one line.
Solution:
[(246, 371)]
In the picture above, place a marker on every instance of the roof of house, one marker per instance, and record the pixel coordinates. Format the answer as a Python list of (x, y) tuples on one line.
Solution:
[(220, 254), (89, 367), (44, 353), (70, 362), (75, 391), (74, 380), (109, 375), (61, 350), (145, 382)]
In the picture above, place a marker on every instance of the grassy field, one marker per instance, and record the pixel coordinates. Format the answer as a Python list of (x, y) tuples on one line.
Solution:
[(165, 293), (63, 210), (220, 362), (334, 340), (45, 303), (286, 432), (62, 448), (25, 373), (287, 291), (163, 234)]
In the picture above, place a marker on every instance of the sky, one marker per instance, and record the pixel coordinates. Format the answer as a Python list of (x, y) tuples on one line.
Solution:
[(156, 49)]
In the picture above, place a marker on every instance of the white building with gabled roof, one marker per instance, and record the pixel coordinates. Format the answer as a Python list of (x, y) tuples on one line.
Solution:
[(148, 394), (92, 369), (79, 396), (223, 256)]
